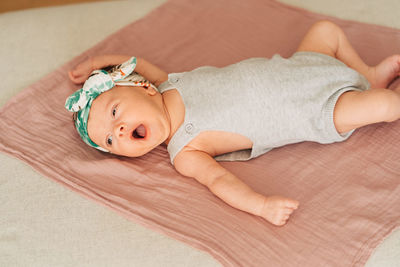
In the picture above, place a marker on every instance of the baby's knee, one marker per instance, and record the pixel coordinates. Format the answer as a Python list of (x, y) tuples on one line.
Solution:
[(326, 27)]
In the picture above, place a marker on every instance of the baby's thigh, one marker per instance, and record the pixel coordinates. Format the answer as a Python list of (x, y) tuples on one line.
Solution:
[(355, 109), (322, 38)]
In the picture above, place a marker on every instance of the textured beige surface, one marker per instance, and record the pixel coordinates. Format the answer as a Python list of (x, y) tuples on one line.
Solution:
[(35, 42), (13, 5)]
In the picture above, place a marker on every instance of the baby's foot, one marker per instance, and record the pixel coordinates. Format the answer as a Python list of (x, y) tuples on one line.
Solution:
[(277, 209), (385, 72)]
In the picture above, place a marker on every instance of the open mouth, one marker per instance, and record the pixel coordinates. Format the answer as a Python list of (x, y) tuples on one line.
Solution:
[(139, 132)]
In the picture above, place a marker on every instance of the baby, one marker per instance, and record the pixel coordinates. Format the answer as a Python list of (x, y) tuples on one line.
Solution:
[(321, 94)]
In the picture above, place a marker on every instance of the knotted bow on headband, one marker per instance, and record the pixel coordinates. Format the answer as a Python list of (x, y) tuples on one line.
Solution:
[(98, 82)]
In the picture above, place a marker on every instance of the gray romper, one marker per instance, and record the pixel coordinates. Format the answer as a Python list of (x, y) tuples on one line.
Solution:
[(273, 102)]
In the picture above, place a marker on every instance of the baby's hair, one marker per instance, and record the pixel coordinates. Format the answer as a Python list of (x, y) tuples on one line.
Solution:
[(74, 116)]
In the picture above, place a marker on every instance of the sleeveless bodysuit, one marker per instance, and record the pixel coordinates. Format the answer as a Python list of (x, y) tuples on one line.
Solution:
[(273, 102)]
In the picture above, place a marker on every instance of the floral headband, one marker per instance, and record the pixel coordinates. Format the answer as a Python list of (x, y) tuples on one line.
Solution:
[(99, 82)]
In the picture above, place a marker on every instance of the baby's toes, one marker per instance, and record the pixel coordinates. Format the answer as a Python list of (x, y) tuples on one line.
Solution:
[(397, 63)]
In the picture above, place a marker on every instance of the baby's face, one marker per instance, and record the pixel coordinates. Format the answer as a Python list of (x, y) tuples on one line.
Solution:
[(128, 121)]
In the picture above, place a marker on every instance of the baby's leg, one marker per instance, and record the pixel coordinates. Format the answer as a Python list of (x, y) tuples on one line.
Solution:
[(355, 109), (327, 38)]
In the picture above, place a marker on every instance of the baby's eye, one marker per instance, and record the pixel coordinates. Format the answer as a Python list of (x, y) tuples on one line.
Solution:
[(114, 111), (109, 140)]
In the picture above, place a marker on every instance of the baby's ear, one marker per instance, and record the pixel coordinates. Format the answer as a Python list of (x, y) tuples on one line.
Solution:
[(151, 91)]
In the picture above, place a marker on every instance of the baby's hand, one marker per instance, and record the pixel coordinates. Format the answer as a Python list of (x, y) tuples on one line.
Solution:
[(277, 209), (81, 72)]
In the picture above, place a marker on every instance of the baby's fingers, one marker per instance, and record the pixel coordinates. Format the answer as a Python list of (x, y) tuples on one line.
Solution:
[(78, 79), (81, 72), (72, 77), (292, 204)]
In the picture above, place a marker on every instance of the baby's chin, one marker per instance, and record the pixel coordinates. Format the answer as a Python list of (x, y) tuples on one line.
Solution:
[(131, 154), (135, 154)]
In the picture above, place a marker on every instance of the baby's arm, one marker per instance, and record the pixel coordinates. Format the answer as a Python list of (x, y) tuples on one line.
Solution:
[(151, 72), (232, 190)]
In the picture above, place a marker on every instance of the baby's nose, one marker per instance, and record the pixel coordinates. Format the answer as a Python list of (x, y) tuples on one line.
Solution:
[(120, 130)]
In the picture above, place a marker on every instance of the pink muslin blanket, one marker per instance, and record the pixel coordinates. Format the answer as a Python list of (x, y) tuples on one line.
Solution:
[(349, 192)]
